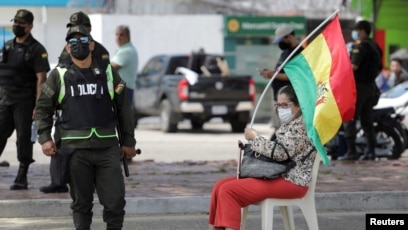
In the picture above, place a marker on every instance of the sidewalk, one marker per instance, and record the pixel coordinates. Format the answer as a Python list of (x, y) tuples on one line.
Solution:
[(195, 178), (327, 220), (184, 187), (162, 182)]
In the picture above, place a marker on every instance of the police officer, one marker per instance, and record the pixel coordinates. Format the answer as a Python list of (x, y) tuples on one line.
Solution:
[(99, 52), (366, 62), (23, 70), (85, 95)]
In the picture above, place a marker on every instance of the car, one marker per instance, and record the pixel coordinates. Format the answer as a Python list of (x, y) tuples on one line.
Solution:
[(172, 87)]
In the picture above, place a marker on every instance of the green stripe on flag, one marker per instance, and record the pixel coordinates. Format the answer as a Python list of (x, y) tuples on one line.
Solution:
[(304, 83)]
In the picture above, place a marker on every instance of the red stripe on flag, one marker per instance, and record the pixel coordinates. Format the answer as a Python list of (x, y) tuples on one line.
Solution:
[(341, 74)]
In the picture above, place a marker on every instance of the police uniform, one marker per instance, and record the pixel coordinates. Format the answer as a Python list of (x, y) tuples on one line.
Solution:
[(363, 54), (84, 99), (101, 55), (18, 81)]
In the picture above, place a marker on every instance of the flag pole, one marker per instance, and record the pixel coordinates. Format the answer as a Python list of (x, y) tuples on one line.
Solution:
[(329, 18)]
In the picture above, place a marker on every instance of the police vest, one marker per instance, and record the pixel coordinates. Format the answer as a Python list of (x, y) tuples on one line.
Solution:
[(14, 71), (86, 103)]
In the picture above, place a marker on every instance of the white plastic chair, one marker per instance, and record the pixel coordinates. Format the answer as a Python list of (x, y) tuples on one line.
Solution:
[(306, 204)]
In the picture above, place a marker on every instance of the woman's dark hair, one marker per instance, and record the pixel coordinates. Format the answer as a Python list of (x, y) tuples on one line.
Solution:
[(290, 93), (397, 60)]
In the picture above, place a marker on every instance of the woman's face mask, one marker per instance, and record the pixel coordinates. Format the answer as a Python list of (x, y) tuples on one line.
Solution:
[(285, 115), (354, 35)]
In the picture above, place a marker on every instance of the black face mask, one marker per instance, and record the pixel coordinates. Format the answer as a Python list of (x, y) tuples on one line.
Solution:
[(19, 31), (283, 45), (80, 50)]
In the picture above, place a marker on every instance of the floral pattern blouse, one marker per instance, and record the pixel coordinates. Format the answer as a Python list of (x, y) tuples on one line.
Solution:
[(294, 138)]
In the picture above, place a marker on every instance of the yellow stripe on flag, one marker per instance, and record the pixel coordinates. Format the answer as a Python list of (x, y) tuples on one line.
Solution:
[(327, 117)]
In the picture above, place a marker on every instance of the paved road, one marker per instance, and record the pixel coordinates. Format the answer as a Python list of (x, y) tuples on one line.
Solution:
[(215, 142), (327, 221)]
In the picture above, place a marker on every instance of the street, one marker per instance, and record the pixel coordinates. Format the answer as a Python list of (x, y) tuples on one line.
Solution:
[(214, 142), (327, 221)]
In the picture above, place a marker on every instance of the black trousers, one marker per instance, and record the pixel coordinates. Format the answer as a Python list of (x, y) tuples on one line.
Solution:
[(98, 169), (364, 109), (18, 116)]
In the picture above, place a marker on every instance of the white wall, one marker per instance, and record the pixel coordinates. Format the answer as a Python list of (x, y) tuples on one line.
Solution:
[(49, 26), (152, 34)]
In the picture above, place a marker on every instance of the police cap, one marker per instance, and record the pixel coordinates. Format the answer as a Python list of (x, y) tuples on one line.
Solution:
[(79, 18), (79, 29), (24, 16)]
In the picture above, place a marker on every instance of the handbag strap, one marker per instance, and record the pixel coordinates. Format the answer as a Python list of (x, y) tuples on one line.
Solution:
[(287, 154), (308, 154), (242, 147), (284, 149)]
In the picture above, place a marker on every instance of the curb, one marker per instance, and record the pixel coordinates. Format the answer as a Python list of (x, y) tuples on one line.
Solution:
[(346, 201)]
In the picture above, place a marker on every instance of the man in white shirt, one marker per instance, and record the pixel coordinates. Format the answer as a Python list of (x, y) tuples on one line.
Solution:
[(125, 60)]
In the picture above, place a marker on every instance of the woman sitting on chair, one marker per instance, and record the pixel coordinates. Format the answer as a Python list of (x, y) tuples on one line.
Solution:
[(229, 195)]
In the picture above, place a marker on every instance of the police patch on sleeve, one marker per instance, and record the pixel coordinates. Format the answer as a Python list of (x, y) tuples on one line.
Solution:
[(119, 87), (355, 51), (47, 91), (105, 56)]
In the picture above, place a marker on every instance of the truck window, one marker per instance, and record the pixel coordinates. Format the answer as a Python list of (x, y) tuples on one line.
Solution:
[(153, 67), (176, 62)]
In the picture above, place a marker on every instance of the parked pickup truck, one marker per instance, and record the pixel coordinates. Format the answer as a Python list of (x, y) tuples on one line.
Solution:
[(159, 91)]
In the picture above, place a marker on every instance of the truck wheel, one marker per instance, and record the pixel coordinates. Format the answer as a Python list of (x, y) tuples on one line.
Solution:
[(239, 122), (166, 117), (197, 125)]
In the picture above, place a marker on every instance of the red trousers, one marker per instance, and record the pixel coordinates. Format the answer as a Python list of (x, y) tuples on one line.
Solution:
[(229, 195)]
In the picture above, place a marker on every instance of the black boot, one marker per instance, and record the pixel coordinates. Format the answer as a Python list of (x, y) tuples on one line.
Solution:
[(351, 153), (82, 221), (52, 188), (368, 156), (20, 182)]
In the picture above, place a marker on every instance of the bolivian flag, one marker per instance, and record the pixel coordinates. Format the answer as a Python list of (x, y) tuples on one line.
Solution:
[(323, 80)]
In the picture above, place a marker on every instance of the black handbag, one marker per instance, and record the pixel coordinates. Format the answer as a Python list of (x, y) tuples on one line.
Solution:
[(256, 165)]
